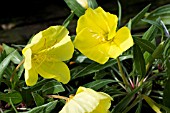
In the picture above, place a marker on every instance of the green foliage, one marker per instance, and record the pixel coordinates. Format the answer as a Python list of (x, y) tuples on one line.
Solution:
[(144, 86)]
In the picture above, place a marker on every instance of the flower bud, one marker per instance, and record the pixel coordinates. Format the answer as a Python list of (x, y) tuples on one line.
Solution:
[(83, 3)]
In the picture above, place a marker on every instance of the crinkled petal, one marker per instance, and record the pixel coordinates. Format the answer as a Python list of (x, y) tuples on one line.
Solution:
[(123, 38), (111, 20), (54, 69), (62, 51), (47, 38), (93, 19), (31, 77), (79, 103), (27, 54), (92, 45)]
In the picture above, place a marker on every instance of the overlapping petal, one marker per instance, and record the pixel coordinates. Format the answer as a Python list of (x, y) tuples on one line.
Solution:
[(46, 51), (98, 102), (54, 69), (97, 37)]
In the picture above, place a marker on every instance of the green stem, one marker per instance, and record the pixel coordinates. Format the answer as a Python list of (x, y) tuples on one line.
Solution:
[(122, 73)]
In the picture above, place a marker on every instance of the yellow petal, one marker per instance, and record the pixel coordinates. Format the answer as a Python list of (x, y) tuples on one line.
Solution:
[(111, 20), (124, 39), (114, 50), (27, 54), (79, 103), (53, 69), (62, 51), (92, 45), (47, 38), (93, 19), (31, 77)]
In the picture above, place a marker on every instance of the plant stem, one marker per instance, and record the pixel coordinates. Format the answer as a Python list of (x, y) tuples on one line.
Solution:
[(58, 96), (13, 74), (122, 73)]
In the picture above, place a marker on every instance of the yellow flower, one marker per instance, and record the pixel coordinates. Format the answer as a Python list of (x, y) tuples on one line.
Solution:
[(97, 37), (87, 100), (83, 3), (45, 53)]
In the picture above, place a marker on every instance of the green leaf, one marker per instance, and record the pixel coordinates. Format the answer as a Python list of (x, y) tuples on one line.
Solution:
[(5, 62), (166, 92), (38, 99), (7, 49), (120, 13), (95, 67), (139, 16), (96, 85), (144, 44), (52, 87), (151, 33), (92, 3), (152, 104), (157, 54), (139, 60), (75, 7), (163, 12), (14, 96), (46, 108), (125, 101), (68, 19), (155, 23)]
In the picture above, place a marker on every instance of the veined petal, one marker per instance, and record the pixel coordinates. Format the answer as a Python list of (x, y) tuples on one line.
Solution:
[(31, 77), (27, 54), (87, 38), (48, 38), (123, 38), (92, 45), (114, 50), (93, 19), (111, 20), (79, 103), (54, 69), (62, 51)]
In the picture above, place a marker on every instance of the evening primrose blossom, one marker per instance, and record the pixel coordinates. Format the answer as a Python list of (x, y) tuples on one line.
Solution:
[(45, 53), (97, 37), (87, 100)]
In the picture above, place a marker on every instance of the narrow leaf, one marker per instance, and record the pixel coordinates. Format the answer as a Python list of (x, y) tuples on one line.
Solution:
[(139, 60), (125, 101), (144, 44), (98, 83), (139, 16), (152, 104), (75, 7), (46, 108), (52, 87), (38, 99), (14, 96), (92, 3), (5, 62), (95, 67)]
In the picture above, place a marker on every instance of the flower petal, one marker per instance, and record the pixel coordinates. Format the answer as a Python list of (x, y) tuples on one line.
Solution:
[(114, 50), (92, 45), (62, 51), (124, 39), (79, 103), (48, 38), (93, 19), (53, 69), (31, 77), (27, 54)]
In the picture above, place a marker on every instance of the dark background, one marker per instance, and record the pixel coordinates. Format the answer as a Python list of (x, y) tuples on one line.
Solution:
[(20, 20)]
